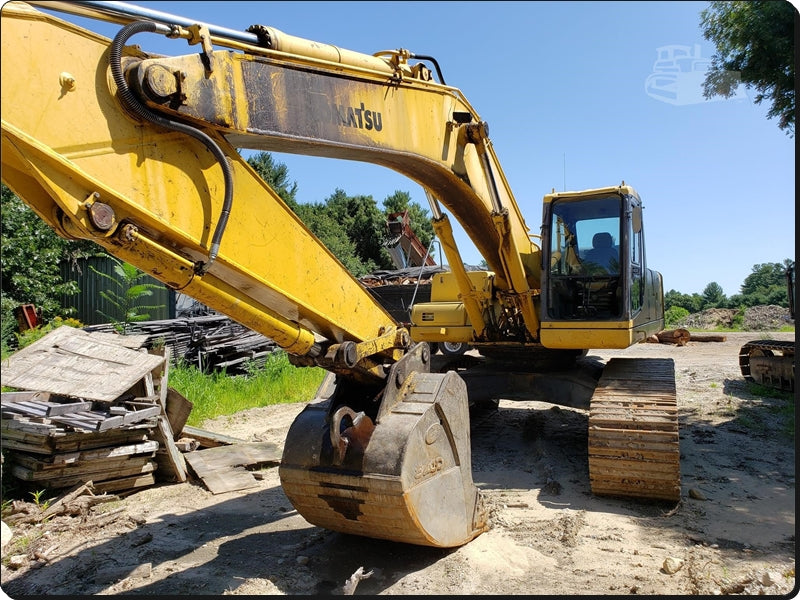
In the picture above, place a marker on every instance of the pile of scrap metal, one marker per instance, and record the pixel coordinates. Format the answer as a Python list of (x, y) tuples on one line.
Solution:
[(397, 290), (212, 342)]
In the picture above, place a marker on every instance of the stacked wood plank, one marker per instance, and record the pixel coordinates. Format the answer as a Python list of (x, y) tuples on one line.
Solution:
[(95, 408), (90, 407), (61, 444)]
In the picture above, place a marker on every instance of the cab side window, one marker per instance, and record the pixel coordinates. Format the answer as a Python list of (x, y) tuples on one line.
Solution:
[(637, 268)]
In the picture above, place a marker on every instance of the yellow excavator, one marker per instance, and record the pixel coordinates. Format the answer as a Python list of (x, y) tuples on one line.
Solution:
[(139, 152)]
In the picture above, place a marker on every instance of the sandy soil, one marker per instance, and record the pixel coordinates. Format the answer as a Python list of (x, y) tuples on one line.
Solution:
[(733, 532)]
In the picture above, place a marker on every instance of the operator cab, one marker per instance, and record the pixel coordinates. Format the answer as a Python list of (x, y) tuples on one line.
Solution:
[(596, 289)]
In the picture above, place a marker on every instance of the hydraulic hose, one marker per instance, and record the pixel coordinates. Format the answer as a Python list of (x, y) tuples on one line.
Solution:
[(435, 64), (130, 100)]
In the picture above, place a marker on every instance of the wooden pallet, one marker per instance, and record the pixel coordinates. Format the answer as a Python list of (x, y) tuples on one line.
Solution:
[(97, 468), (133, 470), (223, 469), (38, 438)]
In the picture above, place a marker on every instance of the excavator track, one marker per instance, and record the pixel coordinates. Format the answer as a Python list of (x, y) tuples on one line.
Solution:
[(768, 362), (633, 430)]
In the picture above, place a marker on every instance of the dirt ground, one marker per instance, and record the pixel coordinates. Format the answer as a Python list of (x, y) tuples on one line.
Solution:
[(733, 531)]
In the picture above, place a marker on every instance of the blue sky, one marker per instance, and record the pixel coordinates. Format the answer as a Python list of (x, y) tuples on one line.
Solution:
[(562, 86)]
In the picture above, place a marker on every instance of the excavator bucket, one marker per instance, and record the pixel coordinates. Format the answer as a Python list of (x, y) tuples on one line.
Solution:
[(402, 472)]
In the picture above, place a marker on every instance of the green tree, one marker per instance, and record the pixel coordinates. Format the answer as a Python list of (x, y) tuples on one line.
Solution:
[(766, 284), (736, 301), (690, 302), (128, 299), (320, 221), (755, 40), (31, 252), (713, 296), (364, 224), (673, 315)]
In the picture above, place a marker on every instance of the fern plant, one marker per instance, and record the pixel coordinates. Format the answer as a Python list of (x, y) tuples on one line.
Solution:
[(8, 328), (128, 299)]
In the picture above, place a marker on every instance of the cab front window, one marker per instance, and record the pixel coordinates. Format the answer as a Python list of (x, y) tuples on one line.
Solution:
[(585, 259)]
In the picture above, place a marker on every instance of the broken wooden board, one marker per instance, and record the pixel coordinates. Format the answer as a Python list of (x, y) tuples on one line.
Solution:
[(209, 439), (79, 364), (125, 484), (178, 409), (223, 469), (171, 463)]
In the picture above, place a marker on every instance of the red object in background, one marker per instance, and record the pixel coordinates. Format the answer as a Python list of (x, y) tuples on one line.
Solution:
[(27, 317)]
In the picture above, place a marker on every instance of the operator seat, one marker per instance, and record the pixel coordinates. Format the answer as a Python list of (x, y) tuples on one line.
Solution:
[(603, 253)]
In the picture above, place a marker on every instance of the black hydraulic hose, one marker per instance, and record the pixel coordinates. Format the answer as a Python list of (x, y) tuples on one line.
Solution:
[(435, 64), (130, 100)]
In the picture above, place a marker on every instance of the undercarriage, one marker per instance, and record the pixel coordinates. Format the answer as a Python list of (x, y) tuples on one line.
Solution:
[(769, 362)]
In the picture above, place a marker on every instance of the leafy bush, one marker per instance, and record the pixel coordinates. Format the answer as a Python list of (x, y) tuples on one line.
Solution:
[(8, 327), (31, 253), (674, 314), (26, 338)]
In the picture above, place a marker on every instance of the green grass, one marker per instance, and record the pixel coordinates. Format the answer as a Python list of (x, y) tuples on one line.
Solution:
[(217, 394)]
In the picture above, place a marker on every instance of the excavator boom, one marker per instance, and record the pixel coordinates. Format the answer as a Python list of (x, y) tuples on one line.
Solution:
[(155, 197)]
